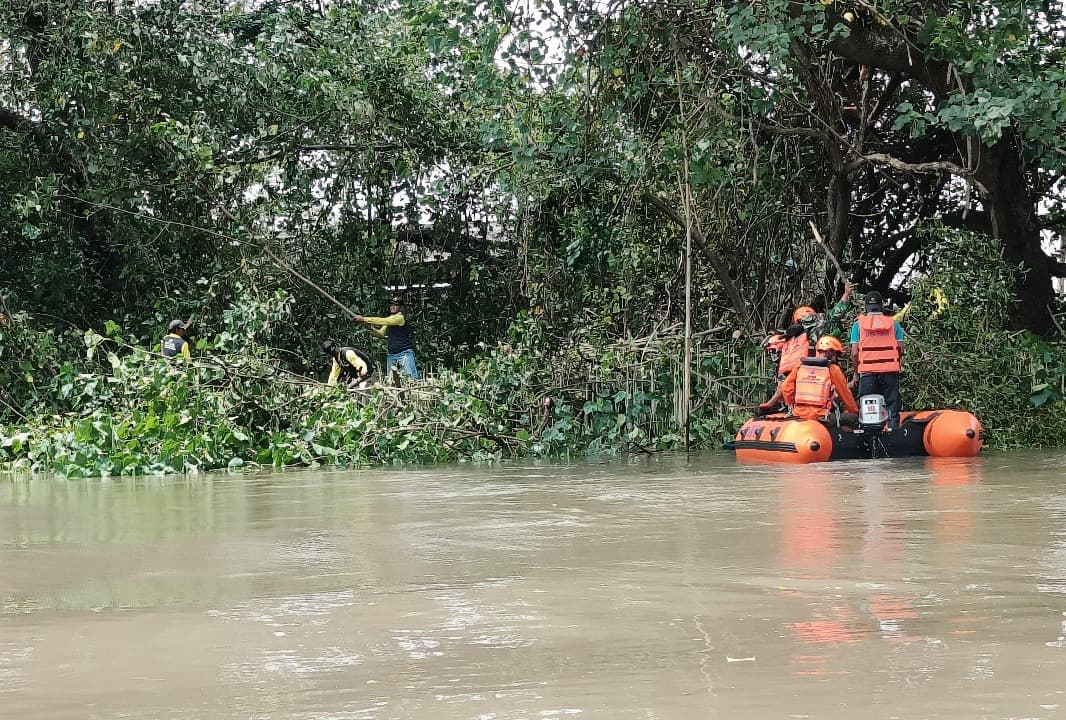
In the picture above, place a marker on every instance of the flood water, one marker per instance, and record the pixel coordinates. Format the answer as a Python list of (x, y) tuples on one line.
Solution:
[(638, 588)]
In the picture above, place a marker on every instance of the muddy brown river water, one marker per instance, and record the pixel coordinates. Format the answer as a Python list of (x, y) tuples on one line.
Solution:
[(638, 588)]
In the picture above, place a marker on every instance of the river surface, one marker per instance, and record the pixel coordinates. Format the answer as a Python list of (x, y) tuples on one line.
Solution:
[(637, 588)]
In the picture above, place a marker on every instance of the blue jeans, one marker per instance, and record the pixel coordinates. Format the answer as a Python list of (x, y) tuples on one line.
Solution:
[(406, 361)]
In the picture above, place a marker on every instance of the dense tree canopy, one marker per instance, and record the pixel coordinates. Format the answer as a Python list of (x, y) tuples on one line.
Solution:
[(880, 121), (149, 145), (543, 155)]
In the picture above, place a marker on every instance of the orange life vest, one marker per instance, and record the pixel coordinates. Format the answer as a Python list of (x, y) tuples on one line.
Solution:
[(793, 353), (814, 388), (878, 347)]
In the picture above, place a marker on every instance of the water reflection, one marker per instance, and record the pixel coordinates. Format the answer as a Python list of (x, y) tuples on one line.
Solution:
[(808, 518), (953, 493), (857, 542)]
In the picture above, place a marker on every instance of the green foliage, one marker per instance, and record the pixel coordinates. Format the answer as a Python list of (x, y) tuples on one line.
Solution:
[(117, 408), (29, 359), (147, 146), (960, 355)]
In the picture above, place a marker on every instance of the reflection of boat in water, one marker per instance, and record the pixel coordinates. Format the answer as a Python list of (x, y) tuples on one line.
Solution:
[(936, 433)]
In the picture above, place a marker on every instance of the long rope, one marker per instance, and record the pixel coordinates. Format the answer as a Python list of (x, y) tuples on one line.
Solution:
[(288, 268)]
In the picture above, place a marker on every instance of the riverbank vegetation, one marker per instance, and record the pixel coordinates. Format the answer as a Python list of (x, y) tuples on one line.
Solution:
[(88, 403), (558, 189)]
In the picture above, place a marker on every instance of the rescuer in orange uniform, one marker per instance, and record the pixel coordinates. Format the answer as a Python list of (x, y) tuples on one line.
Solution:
[(798, 343), (818, 384), (774, 345), (790, 348), (877, 355)]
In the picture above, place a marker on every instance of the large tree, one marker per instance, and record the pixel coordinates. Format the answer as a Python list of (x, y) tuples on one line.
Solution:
[(874, 118)]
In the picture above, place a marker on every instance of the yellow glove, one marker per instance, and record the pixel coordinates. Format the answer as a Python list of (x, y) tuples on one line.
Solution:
[(938, 297)]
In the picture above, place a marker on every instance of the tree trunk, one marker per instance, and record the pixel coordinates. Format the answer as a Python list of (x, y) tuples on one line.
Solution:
[(839, 209), (1013, 219)]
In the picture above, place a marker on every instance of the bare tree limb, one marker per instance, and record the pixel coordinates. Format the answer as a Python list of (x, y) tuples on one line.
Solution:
[(936, 166), (698, 237), (829, 253)]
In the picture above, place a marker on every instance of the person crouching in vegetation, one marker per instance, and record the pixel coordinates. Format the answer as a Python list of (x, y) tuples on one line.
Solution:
[(354, 366), (399, 338), (818, 388), (175, 342)]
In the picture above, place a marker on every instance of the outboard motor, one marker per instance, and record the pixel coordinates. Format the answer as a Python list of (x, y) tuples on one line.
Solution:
[(872, 413)]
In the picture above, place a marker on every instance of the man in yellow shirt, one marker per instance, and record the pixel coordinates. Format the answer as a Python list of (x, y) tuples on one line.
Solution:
[(174, 342), (399, 338), (351, 364)]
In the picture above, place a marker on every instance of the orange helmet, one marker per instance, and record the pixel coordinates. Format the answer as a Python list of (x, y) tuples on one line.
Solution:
[(774, 342), (801, 312), (828, 342)]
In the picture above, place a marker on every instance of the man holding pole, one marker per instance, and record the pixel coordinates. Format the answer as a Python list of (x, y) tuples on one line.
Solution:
[(399, 338)]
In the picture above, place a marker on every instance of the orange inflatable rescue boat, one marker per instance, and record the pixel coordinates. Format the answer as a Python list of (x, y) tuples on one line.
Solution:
[(785, 439)]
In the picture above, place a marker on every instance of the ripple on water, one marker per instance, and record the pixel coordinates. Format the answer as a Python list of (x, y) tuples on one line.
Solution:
[(291, 607), (419, 648), (287, 662), (313, 549), (11, 656), (374, 712)]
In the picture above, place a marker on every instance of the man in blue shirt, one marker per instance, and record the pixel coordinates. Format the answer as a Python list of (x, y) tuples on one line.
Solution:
[(877, 355), (399, 338)]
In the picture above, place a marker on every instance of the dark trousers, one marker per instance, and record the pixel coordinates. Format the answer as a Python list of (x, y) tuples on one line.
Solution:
[(886, 384)]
